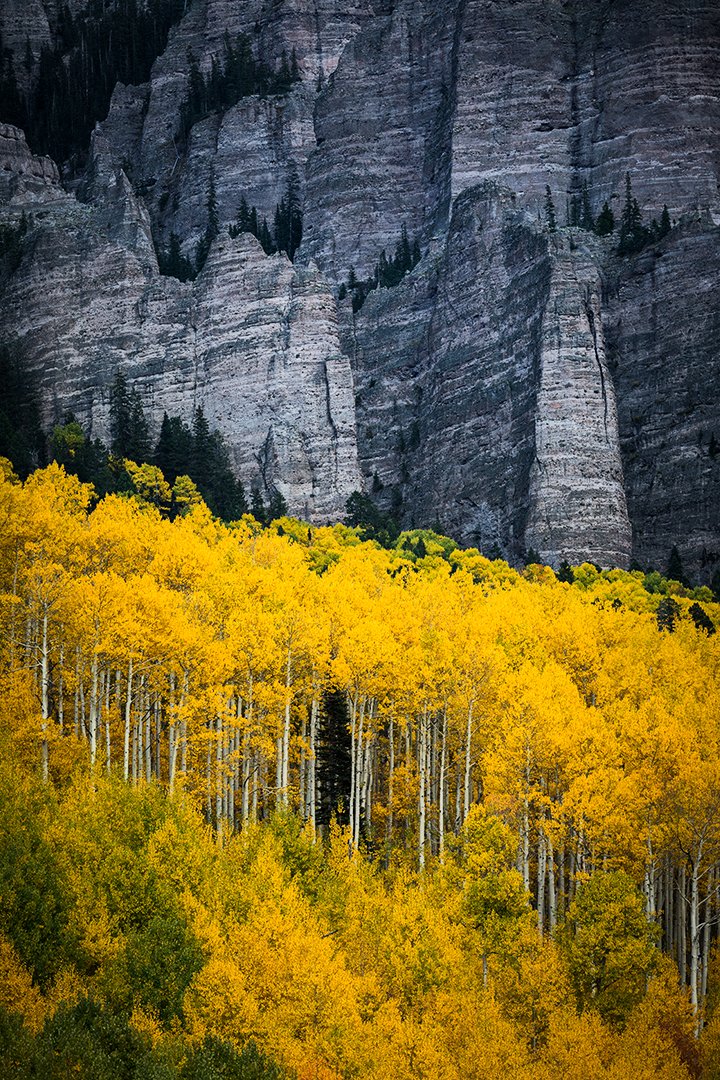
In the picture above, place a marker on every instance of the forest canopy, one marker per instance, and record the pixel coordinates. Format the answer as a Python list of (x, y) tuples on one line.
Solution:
[(278, 802)]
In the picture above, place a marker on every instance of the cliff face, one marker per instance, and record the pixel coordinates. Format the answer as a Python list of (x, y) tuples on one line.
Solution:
[(521, 387)]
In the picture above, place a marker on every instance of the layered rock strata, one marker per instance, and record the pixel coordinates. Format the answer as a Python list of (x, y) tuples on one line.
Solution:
[(521, 387)]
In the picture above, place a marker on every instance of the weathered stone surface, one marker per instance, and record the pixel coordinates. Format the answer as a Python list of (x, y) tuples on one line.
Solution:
[(559, 93), (521, 388), (25, 177), (576, 495), (253, 340), (662, 326), (383, 129)]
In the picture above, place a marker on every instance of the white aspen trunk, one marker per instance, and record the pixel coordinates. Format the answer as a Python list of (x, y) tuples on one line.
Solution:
[(45, 694), (358, 769), (108, 745), (695, 929), (468, 760), (552, 895), (278, 771), (61, 691), (208, 774), (669, 908), (135, 752), (541, 870), (245, 801), (172, 735), (128, 717), (391, 778), (441, 789), (76, 708), (561, 879), (353, 738), (148, 741), (458, 797), (682, 928), (525, 845), (183, 723), (218, 778), (708, 918), (93, 718), (303, 769), (312, 778), (649, 881), (286, 732), (158, 736), (422, 800)]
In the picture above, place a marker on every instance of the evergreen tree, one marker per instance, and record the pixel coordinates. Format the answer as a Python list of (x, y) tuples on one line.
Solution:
[(550, 218), (674, 570), (211, 229), (128, 426), (665, 224), (667, 614), (173, 452), (172, 262), (257, 506), (715, 585), (701, 619), (277, 507), (120, 416), (201, 460), (288, 217), (586, 217), (633, 234), (333, 760), (139, 449), (21, 435), (565, 573), (605, 223)]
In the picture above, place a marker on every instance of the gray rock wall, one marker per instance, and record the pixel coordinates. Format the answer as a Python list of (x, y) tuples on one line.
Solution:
[(520, 387)]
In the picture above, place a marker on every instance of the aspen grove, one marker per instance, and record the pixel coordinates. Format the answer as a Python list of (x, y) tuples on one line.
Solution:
[(388, 813)]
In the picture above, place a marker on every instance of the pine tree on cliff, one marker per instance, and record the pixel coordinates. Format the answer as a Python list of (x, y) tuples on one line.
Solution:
[(674, 570), (211, 229), (605, 223), (128, 426), (550, 217), (633, 234), (586, 217)]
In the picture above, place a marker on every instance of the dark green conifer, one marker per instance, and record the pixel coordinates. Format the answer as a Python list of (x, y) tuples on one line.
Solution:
[(550, 217), (605, 223), (674, 570)]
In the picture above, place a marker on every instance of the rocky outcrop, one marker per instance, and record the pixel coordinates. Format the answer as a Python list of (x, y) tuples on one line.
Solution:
[(521, 387), (662, 328), (254, 341), (25, 177), (576, 491)]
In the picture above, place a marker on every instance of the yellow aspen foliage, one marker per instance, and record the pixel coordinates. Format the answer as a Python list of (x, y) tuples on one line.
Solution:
[(17, 993)]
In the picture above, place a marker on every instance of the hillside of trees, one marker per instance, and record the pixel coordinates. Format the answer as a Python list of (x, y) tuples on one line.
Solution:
[(278, 802)]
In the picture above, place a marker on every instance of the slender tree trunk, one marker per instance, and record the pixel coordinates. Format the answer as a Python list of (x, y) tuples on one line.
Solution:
[(541, 871), (552, 896), (695, 929), (312, 777), (61, 691), (286, 732), (391, 778), (682, 928), (422, 795), (45, 694), (441, 789), (93, 708), (128, 717), (468, 760), (358, 769)]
